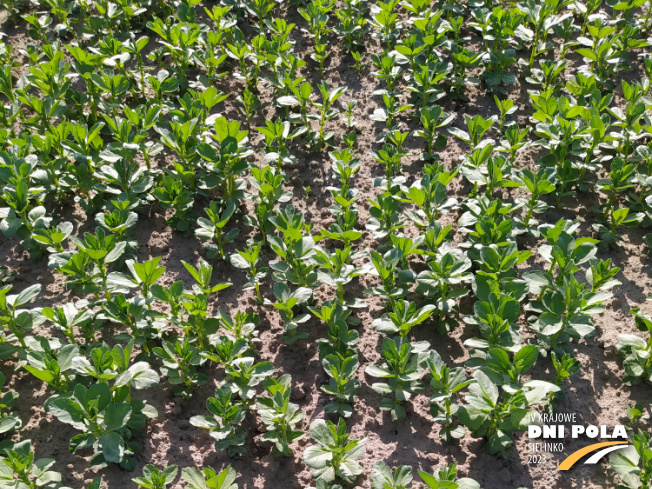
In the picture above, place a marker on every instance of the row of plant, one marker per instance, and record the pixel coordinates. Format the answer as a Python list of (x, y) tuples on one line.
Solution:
[(20, 468), (19, 461), (135, 139), (579, 128)]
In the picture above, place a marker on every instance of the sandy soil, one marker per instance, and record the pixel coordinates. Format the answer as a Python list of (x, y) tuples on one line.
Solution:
[(596, 394)]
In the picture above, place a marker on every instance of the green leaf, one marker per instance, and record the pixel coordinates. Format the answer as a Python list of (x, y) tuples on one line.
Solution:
[(316, 457), (498, 360), (487, 386), (625, 463), (44, 375), (430, 480), (116, 416), (140, 375), (537, 391), (113, 447), (321, 433), (467, 483), (206, 422), (380, 372), (27, 295), (194, 477), (625, 340), (550, 323), (536, 281), (498, 442), (382, 477), (526, 357)]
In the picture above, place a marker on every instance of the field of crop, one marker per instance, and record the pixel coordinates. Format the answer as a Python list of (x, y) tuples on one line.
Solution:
[(291, 244)]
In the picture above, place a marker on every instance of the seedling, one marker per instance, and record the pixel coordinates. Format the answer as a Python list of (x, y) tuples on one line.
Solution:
[(279, 415), (405, 363), (286, 300), (225, 421), (336, 455), (341, 383), (155, 478), (248, 259)]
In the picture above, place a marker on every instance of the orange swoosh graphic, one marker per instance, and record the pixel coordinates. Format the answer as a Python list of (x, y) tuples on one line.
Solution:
[(575, 456)]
